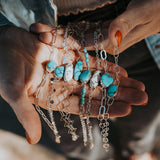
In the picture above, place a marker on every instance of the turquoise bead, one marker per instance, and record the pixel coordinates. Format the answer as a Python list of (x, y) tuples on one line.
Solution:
[(106, 80), (51, 66), (83, 90), (86, 55), (85, 76), (64, 60), (59, 71), (82, 98), (87, 60), (84, 50), (77, 70), (82, 102), (63, 44), (112, 89), (83, 95)]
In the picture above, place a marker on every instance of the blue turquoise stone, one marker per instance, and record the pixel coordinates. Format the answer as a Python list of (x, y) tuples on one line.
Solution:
[(106, 80), (59, 71), (83, 95), (83, 90), (112, 89), (63, 44), (87, 60), (77, 70), (86, 55), (64, 60), (84, 50), (82, 102), (85, 76), (51, 66)]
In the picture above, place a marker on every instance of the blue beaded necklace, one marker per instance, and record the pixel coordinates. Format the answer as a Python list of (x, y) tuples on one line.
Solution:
[(84, 78)]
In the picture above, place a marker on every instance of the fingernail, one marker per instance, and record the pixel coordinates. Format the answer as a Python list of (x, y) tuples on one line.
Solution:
[(28, 138), (118, 36), (145, 103)]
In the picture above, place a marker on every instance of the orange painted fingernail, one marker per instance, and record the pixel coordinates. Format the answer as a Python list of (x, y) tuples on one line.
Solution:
[(118, 36), (28, 138)]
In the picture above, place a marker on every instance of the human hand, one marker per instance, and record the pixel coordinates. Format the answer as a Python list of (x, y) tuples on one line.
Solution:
[(140, 20), (131, 92), (21, 71)]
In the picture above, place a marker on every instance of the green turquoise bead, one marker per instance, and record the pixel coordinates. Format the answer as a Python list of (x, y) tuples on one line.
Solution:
[(106, 80), (85, 76), (112, 89), (51, 66), (59, 71)]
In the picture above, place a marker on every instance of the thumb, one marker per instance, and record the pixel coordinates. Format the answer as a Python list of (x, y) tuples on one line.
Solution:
[(126, 22), (28, 117)]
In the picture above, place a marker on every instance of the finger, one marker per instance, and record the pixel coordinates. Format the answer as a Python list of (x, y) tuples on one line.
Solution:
[(131, 83), (118, 109), (46, 36), (128, 95), (136, 35), (132, 96), (28, 117), (127, 21), (110, 66), (60, 41), (39, 28)]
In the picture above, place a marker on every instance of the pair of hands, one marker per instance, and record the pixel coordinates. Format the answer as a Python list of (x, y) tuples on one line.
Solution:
[(23, 55)]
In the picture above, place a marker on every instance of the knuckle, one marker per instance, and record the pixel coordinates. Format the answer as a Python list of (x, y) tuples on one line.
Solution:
[(126, 23)]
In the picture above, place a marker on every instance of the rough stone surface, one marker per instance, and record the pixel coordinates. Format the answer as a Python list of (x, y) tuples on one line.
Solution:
[(85, 76), (68, 74), (59, 71), (95, 79), (77, 70), (106, 80)]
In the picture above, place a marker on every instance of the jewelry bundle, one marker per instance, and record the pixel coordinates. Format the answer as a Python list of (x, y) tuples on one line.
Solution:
[(67, 72)]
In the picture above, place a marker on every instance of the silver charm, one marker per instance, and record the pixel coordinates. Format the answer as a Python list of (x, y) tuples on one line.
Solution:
[(68, 74)]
